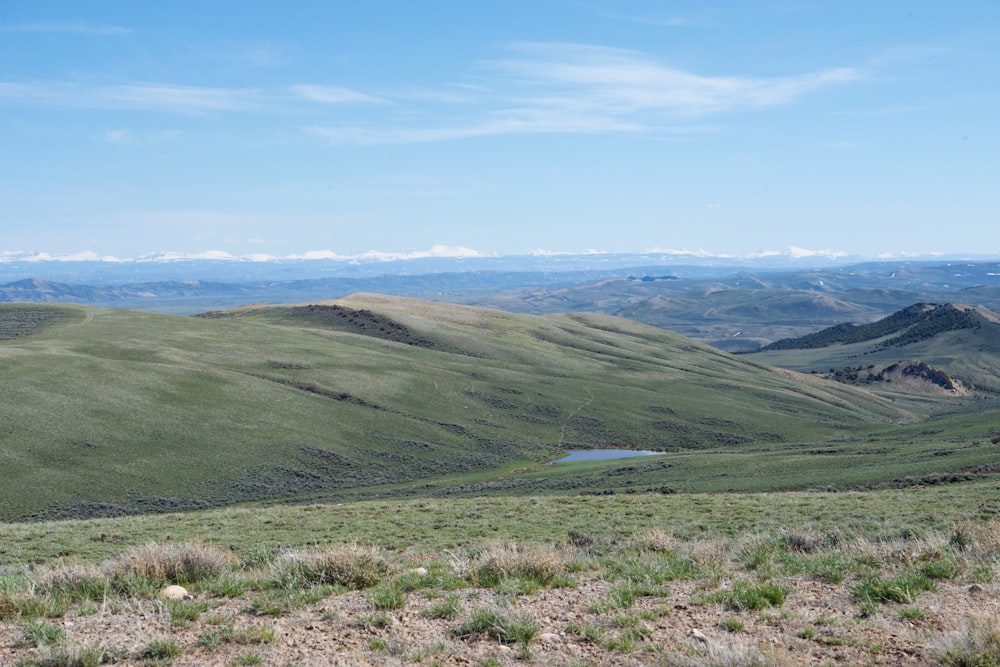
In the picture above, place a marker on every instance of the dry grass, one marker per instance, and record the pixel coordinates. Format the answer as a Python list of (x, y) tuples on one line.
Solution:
[(764, 582), (655, 539), (733, 653), (351, 565), (182, 563), (78, 581), (976, 644), (505, 560), (977, 538), (804, 540)]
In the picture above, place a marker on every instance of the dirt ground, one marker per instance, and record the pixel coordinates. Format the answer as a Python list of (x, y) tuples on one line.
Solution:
[(818, 624)]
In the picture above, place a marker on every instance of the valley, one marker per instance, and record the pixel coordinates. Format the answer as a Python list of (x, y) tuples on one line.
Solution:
[(118, 412), (377, 478)]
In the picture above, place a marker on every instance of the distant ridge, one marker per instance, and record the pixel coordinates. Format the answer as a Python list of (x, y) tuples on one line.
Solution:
[(916, 323), (937, 347)]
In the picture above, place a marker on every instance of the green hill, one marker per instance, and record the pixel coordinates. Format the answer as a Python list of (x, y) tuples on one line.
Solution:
[(959, 340), (110, 412), (914, 324)]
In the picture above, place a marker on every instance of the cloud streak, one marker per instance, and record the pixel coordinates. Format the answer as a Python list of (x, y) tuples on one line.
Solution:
[(572, 88), (180, 99), (334, 95), (69, 27), (541, 88), (159, 97), (621, 82)]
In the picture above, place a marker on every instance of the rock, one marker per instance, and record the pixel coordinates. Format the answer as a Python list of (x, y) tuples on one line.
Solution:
[(547, 637), (419, 571), (175, 593)]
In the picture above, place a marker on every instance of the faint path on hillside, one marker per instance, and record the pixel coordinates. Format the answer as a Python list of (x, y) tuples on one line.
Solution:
[(85, 320), (585, 404)]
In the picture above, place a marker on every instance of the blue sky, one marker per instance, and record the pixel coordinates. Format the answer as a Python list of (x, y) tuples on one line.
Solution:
[(283, 129)]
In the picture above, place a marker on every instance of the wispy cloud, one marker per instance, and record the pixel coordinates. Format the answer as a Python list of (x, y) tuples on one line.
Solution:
[(540, 88), (161, 97), (69, 27), (334, 95), (513, 122), (118, 137), (180, 99), (584, 89), (126, 137), (620, 81)]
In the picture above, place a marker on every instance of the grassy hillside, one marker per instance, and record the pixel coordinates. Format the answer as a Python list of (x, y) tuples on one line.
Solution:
[(110, 411), (912, 324), (960, 340)]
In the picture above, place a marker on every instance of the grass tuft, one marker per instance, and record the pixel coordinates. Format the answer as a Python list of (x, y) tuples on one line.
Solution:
[(902, 589), (446, 608), (37, 633), (979, 646), (351, 565), (497, 623), (503, 561), (387, 596), (162, 650), (750, 596), (74, 581), (655, 539), (184, 563), (75, 656)]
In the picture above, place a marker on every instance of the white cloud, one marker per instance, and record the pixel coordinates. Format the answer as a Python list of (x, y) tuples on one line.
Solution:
[(581, 89), (682, 252), (541, 87), (334, 95), (444, 251), (620, 81), (795, 252), (799, 253), (489, 127), (161, 97), (70, 27), (82, 256), (557, 253), (125, 137), (179, 99), (118, 136)]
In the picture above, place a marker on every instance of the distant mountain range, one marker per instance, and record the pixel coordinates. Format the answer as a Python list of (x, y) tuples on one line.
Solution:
[(738, 305), (446, 253)]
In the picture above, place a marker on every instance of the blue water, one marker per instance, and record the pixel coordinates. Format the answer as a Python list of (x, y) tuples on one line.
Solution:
[(577, 455)]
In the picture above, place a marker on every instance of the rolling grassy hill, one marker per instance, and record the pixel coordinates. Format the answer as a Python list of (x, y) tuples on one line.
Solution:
[(109, 412), (960, 340), (745, 311)]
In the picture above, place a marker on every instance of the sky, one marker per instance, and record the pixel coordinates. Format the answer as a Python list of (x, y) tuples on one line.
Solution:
[(504, 127)]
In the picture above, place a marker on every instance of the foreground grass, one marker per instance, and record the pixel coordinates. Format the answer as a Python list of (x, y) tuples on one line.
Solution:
[(606, 594)]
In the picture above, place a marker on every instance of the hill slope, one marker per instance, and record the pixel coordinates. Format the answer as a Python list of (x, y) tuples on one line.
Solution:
[(914, 324), (961, 341), (109, 412)]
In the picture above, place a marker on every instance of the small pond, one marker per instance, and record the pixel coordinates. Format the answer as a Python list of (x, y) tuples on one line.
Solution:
[(577, 455)]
